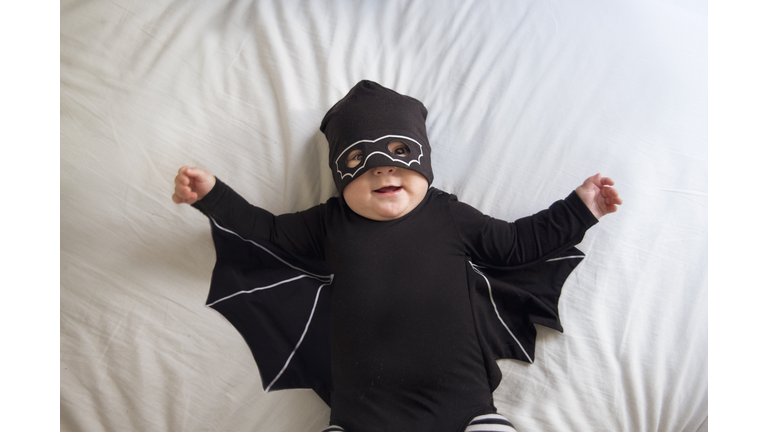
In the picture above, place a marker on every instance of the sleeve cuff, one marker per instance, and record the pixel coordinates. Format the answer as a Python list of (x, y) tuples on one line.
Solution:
[(207, 203), (580, 209)]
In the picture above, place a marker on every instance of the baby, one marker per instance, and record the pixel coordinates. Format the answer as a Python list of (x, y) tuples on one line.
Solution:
[(409, 350)]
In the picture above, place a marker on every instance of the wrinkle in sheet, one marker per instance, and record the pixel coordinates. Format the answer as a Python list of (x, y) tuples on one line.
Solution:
[(686, 192)]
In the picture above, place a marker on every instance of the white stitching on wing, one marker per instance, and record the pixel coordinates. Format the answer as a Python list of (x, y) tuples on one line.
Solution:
[(566, 257), (490, 294), (301, 339), (327, 279), (259, 289)]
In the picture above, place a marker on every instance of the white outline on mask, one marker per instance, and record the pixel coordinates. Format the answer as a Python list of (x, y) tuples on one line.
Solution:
[(417, 160)]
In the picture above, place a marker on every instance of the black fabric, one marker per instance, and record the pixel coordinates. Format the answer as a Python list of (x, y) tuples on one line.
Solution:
[(368, 118), (420, 307), (275, 300)]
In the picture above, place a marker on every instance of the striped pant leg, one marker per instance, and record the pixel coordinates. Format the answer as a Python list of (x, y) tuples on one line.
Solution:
[(490, 423), (483, 423)]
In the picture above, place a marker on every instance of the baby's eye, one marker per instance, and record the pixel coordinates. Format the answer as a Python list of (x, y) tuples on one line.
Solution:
[(398, 149), (354, 158)]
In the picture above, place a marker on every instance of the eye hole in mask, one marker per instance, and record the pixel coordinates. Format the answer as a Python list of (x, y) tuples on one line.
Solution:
[(395, 148), (388, 150)]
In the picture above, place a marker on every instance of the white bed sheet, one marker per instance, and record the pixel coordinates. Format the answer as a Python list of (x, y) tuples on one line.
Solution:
[(526, 99)]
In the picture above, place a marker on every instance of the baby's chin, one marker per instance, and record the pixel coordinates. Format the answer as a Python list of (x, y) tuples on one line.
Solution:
[(384, 211)]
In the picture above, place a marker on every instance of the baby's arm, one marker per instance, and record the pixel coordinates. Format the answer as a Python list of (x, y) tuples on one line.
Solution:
[(295, 232), (599, 196), (192, 184), (497, 242)]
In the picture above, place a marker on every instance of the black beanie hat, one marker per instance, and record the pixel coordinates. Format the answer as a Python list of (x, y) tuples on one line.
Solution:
[(368, 118)]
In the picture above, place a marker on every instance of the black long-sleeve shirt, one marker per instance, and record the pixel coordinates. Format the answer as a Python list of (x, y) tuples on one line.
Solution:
[(405, 353)]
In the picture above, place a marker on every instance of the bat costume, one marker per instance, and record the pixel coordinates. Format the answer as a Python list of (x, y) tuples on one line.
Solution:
[(396, 324)]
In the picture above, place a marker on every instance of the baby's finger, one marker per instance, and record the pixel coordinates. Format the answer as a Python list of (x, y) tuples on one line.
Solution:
[(608, 191), (616, 198), (184, 192), (194, 172), (606, 181), (181, 180), (186, 197), (182, 171), (612, 201), (592, 181)]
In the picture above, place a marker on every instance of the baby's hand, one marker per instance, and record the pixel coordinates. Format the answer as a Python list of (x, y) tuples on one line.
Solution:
[(192, 184), (599, 196)]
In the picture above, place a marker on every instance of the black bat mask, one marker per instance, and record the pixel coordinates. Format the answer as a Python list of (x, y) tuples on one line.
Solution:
[(370, 118)]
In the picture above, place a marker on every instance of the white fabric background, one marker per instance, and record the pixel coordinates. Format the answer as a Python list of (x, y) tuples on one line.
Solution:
[(526, 98)]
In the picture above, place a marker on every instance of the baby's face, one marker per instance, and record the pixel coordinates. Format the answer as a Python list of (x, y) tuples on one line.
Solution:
[(384, 193)]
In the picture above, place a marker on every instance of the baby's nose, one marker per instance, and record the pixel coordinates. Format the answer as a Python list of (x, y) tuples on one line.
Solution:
[(384, 170)]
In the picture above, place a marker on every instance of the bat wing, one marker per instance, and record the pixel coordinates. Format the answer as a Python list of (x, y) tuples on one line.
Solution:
[(280, 304), (507, 302)]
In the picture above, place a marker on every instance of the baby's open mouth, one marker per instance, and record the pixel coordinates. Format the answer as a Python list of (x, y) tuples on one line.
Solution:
[(387, 189)]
